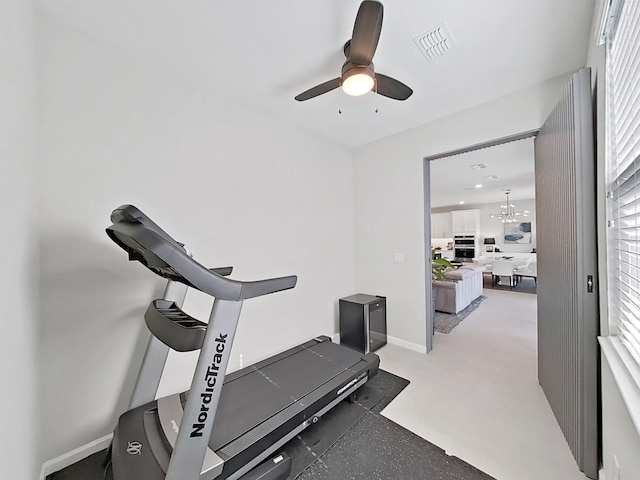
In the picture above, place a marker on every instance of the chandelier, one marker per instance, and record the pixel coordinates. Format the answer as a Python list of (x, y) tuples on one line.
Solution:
[(508, 212)]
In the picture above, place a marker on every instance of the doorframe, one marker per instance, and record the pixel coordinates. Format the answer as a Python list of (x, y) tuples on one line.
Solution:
[(427, 212)]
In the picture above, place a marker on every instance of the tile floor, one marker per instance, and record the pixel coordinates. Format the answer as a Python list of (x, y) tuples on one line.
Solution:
[(477, 396)]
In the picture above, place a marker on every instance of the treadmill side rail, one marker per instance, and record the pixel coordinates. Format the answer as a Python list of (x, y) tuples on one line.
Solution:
[(155, 356), (170, 415), (200, 410), (276, 468)]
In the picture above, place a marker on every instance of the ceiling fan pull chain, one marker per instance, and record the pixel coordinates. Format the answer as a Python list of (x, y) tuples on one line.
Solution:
[(339, 102), (376, 92)]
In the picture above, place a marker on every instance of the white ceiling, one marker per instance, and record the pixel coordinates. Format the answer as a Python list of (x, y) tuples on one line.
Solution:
[(511, 162), (263, 53)]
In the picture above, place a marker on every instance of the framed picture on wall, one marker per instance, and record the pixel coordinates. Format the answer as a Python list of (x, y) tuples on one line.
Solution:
[(517, 232)]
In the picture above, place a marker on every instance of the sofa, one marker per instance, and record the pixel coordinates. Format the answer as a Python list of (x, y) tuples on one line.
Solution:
[(463, 286)]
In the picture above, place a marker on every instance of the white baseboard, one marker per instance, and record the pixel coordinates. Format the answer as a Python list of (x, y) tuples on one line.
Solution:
[(408, 345), (69, 458), (395, 341)]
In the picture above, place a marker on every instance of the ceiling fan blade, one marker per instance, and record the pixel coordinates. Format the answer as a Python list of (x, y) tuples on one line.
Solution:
[(392, 88), (366, 32), (319, 90)]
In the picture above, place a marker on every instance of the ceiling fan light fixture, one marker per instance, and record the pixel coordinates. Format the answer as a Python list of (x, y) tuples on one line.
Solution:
[(357, 76), (358, 81)]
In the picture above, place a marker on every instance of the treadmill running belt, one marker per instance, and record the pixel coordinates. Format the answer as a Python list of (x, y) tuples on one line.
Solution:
[(253, 398)]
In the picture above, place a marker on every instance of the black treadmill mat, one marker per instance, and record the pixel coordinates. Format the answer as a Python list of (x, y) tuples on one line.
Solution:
[(313, 442), (378, 449), (352, 441)]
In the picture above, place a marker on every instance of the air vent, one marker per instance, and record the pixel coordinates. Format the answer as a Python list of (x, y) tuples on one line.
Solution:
[(491, 177), (478, 166), (436, 42)]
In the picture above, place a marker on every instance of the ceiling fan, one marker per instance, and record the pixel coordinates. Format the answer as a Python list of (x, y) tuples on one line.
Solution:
[(358, 75)]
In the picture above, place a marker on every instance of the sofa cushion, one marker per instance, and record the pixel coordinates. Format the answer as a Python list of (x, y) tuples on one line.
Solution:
[(444, 284), (459, 274), (473, 267)]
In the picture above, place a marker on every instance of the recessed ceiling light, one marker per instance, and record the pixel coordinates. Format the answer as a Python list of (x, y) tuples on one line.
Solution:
[(479, 185), (491, 177), (461, 202), (478, 166)]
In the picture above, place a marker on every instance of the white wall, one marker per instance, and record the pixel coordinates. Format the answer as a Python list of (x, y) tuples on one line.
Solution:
[(491, 227), (621, 442), (389, 197), (18, 256), (237, 186)]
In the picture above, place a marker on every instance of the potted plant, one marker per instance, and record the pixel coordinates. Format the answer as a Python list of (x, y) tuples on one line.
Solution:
[(439, 266)]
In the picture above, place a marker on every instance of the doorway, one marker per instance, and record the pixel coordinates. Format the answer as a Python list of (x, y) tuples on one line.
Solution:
[(567, 321), (476, 175)]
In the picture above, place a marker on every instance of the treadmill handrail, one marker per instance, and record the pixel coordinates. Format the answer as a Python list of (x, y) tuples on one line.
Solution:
[(149, 244)]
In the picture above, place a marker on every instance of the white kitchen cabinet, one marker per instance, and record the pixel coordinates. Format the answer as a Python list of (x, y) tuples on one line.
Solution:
[(441, 225), (465, 221)]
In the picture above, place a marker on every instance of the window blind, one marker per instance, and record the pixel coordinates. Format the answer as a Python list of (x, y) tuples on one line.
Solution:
[(623, 152)]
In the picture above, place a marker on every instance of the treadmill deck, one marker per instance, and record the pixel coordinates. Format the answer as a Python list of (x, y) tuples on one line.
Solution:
[(258, 392), (260, 407)]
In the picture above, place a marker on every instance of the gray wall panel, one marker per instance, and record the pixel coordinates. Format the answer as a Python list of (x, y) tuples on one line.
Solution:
[(567, 313)]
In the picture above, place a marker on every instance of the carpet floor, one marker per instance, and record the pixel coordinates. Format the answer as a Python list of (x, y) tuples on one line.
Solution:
[(352, 441), (525, 285), (445, 322)]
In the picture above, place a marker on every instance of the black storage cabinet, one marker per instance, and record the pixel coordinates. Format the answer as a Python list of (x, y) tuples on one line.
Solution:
[(363, 322)]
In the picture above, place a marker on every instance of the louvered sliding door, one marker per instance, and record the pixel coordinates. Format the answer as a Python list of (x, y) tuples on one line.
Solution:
[(566, 246)]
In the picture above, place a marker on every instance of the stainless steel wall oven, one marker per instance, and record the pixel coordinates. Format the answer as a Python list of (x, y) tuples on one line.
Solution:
[(464, 247)]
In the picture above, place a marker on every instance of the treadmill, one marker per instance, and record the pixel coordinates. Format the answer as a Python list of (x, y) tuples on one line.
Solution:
[(257, 409)]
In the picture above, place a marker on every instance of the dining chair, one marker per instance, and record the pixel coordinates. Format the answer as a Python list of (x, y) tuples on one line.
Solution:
[(528, 270), (503, 268)]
